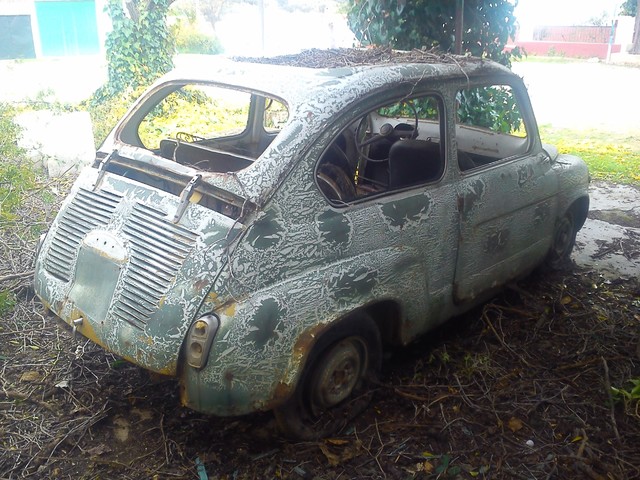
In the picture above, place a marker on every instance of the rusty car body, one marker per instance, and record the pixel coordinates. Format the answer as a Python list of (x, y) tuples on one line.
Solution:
[(266, 261)]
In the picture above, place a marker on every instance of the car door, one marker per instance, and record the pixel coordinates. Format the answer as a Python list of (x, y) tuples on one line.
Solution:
[(506, 192), (390, 184)]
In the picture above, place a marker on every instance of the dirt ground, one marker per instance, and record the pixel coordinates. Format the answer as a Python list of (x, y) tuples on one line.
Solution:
[(519, 388), (522, 387)]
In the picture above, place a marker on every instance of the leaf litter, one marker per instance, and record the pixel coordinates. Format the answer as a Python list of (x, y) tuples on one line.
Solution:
[(538, 383), (518, 388)]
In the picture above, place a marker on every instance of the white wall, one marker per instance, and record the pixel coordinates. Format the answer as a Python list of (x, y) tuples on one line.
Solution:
[(624, 32)]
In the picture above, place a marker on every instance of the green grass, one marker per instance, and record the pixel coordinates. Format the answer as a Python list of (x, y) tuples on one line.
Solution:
[(610, 156), (548, 59)]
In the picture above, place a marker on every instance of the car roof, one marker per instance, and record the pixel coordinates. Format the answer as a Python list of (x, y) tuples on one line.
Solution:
[(317, 85), (294, 78)]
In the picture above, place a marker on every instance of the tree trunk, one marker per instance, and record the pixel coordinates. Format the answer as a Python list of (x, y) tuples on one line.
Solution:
[(635, 48)]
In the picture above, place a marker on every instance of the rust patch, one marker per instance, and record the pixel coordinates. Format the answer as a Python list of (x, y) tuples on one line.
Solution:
[(541, 214), (525, 174), (281, 394), (200, 285), (229, 309), (85, 328), (305, 342), (473, 195), (497, 242)]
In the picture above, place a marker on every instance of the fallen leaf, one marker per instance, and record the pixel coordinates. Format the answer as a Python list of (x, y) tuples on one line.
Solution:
[(337, 441), (514, 424), (566, 300), (31, 376), (99, 450), (346, 453)]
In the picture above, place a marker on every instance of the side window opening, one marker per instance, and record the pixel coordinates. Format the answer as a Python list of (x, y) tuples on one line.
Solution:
[(489, 126), (392, 147), (275, 115)]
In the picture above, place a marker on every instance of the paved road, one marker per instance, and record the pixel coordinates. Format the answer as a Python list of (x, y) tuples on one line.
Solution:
[(70, 79), (584, 95)]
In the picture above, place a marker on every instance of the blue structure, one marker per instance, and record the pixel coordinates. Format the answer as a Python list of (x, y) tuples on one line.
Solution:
[(16, 38), (67, 27)]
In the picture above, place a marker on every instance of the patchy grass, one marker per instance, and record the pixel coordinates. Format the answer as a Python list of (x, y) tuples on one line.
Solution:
[(557, 58), (610, 156)]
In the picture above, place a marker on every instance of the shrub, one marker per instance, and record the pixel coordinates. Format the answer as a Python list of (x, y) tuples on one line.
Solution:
[(17, 174), (190, 40), (9, 134), (105, 113)]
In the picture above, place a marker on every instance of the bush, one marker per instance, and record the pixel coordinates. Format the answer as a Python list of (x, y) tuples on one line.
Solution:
[(190, 40), (17, 175), (9, 134), (105, 113)]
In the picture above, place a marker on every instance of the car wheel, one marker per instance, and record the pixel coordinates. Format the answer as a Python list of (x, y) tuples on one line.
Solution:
[(564, 238), (334, 387)]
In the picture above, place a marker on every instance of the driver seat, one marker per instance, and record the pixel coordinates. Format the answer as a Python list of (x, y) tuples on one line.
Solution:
[(413, 162)]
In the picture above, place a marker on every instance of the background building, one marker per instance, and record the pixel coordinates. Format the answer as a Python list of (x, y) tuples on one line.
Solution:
[(51, 28)]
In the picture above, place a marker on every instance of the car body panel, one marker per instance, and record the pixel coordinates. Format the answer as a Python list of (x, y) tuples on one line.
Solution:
[(145, 246), (116, 262)]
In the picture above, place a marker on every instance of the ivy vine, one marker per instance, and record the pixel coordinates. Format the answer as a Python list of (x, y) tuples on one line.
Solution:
[(140, 47)]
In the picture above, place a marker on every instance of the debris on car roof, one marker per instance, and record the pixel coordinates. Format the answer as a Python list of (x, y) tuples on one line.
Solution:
[(354, 57)]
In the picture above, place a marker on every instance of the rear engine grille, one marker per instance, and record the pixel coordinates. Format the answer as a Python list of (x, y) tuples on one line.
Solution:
[(158, 249), (87, 211)]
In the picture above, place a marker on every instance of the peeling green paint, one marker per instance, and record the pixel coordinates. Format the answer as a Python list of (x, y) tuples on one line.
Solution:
[(267, 319), (334, 227), (265, 232), (406, 211)]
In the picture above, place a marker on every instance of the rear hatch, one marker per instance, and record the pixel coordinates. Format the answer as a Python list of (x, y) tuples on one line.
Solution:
[(128, 263)]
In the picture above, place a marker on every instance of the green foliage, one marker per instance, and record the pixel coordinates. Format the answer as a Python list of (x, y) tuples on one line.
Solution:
[(16, 173), (424, 108), (106, 113), (46, 100), (494, 108), (629, 7), (9, 134), (408, 24), (7, 302), (16, 178), (628, 395), (199, 111), (190, 40), (609, 155), (140, 47)]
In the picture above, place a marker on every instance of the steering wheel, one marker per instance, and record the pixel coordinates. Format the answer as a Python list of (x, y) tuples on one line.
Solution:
[(188, 137), (387, 132)]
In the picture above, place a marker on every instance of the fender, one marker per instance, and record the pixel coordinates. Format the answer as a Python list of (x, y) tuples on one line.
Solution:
[(264, 340)]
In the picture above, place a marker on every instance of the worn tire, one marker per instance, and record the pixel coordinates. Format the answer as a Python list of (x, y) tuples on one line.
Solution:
[(335, 383), (564, 238)]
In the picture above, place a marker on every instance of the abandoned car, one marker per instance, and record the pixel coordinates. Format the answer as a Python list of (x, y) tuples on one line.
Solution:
[(263, 231)]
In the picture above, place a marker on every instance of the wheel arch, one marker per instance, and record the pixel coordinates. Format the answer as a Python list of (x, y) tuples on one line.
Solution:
[(385, 314), (580, 210)]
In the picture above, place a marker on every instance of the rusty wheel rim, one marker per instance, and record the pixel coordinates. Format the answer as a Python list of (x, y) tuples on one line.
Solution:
[(339, 374)]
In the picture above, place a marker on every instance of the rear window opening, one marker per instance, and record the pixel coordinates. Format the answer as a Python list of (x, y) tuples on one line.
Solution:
[(208, 127)]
